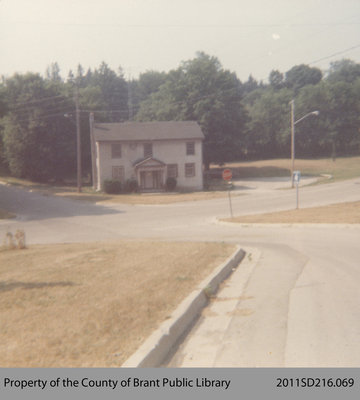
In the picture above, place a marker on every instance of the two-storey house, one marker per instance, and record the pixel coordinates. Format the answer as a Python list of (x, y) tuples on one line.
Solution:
[(149, 152)]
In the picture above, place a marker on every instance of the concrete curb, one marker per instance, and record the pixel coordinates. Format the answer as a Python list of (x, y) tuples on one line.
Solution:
[(285, 225), (159, 344)]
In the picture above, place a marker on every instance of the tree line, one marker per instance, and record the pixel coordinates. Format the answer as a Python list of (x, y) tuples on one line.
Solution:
[(240, 120)]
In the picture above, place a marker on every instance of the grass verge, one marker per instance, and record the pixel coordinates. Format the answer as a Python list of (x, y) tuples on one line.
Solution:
[(92, 305), (342, 168), (88, 194), (6, 215), (341, 213)]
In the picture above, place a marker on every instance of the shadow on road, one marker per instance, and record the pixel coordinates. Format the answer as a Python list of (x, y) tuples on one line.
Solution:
[(36, 206)]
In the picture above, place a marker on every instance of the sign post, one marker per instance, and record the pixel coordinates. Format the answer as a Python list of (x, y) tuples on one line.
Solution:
[(227, 175), (296, 177)]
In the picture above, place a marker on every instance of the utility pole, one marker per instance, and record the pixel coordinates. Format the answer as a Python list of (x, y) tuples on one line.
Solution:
[(78, 139), (130, 100), (292, 103), (93, 151)]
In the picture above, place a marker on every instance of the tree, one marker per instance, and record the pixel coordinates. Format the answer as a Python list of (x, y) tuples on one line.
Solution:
[(336, 130), (343, 70), (114, 92), (250, 85), (139, 90), (38, 140), (201, 90), (302, 75), (53, 73), (268, 126), (276, 79)]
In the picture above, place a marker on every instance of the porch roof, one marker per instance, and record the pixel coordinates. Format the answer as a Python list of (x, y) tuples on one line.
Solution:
[(142, 162)]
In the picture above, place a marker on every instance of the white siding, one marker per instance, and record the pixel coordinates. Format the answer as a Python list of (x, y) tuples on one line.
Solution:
[(166, 151)]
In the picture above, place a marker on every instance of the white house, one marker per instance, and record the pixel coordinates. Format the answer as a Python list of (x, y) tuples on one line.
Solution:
[(149, 152)]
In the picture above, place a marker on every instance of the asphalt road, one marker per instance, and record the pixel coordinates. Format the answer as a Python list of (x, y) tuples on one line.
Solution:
[(299, 302)]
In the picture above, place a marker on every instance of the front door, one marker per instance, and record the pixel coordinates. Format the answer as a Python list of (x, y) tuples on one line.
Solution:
[(150, 180)]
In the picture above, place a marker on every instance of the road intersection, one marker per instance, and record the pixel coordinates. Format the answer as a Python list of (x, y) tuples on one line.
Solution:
[(300, 304)]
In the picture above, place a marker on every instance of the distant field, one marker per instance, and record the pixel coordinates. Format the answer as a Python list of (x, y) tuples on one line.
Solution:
[(342, 168)]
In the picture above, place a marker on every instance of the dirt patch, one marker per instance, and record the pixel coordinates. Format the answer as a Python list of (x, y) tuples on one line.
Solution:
[(6, 215), (92, 305), (342, 213)]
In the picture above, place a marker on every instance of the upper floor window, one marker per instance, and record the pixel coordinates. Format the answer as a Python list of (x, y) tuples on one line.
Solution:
[(190, 148), (116, 150), (148, 150)]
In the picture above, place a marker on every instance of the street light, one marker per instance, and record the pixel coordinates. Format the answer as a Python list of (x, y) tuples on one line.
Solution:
[(293, 123)]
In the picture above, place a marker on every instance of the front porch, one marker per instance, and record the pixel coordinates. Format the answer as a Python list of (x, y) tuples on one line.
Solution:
[(150, 175)]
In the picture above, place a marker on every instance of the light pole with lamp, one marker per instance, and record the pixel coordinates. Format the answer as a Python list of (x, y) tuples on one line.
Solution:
[(293, 123)]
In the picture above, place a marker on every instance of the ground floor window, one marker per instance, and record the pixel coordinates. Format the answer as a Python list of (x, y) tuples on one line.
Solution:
[(118, 173), (172, 171), (189, 170)]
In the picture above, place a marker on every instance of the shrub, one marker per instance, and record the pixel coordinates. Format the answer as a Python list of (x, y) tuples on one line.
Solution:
[(131, 186), (170, 184), (112, 186)]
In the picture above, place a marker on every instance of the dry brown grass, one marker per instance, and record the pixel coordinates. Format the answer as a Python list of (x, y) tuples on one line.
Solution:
[(6, 215), (150, 199), (342, 168), (342, 213), (92, 305), (88, 194)]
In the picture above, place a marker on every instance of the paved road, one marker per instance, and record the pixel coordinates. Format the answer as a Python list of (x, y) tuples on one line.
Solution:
[(298, 304)]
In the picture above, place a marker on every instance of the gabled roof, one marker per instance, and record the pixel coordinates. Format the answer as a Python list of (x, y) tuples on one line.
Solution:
[(148, 160), (132, 131)]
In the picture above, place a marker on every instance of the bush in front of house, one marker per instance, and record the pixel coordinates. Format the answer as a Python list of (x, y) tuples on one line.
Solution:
[(170, 184), (112, 186), (131, 186)]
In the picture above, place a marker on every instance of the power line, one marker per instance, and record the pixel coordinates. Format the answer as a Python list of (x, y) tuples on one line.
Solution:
[(335, 54), (40, 117), (39, 101), (53, 108), (194, 26)]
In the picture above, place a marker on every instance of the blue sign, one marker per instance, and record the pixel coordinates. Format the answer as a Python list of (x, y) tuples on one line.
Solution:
[(297, 176)]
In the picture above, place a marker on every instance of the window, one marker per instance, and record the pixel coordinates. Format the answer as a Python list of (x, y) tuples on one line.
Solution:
[(172, 171), (116, 150), (118, 173), (148, 151), (190, 148), (189, 170)]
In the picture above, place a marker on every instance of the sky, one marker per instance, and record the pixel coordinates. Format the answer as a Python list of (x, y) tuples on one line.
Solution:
[(249, 37)]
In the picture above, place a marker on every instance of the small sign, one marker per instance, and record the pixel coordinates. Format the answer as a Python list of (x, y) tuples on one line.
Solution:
[(227, 174), (297, 176)]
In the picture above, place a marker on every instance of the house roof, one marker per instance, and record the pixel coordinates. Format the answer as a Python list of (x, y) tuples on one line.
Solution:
[(130, 131)]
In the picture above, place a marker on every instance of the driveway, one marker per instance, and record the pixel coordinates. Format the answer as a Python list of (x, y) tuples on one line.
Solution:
[(300, 302)]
